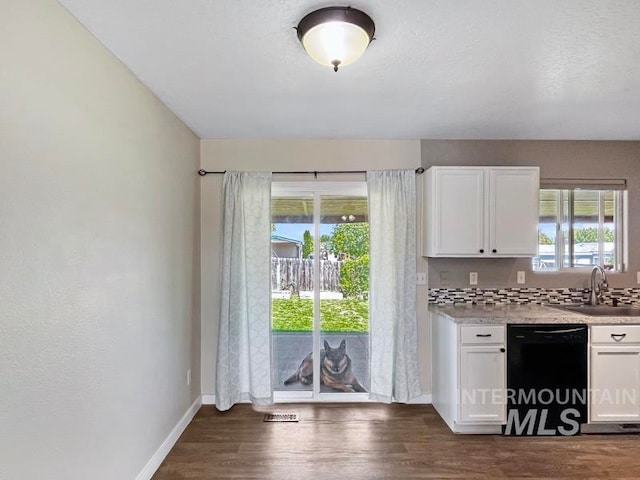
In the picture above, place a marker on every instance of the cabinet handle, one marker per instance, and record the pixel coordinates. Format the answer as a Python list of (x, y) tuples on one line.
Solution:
[(482, 250), (494, 250), (483, 334), (618, 336), (502, 350)]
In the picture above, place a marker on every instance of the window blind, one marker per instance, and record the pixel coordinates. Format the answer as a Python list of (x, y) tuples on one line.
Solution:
[(584, 183)]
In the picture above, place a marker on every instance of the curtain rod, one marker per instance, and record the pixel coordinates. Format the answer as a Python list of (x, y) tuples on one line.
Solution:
[(202, 173)]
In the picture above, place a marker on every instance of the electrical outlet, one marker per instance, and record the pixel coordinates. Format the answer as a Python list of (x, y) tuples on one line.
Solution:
[(638, 277), (188, 377), (421, 278), (473, 278), (520, 278), (444, 278)]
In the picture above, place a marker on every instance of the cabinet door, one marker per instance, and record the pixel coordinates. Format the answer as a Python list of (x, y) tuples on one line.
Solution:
[(513, 211), (482, 384), (457, 224), (615, 382)]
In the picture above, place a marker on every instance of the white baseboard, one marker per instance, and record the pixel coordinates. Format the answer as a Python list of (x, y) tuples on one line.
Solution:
[(156, 460), (208, 399)]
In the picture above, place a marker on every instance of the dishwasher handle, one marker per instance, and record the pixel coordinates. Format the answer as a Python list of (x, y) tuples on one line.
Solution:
[(559, 332)]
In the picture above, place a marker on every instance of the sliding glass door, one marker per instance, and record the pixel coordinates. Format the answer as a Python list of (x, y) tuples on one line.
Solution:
[(320, 283)]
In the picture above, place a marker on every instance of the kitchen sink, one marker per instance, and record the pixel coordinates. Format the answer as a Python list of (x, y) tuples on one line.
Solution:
[(600, 310)]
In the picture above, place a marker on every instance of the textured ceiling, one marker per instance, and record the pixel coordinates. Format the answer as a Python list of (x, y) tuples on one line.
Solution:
[(494, 69)]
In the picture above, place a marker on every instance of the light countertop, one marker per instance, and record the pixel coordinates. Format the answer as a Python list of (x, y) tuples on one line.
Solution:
[(504, 314)]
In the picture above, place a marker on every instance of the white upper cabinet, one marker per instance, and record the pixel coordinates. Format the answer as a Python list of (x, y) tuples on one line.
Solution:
[(481, 212), (513, 211), (455, 211)]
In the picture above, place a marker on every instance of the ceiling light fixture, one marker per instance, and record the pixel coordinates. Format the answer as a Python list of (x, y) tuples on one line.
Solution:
[(336, 36)]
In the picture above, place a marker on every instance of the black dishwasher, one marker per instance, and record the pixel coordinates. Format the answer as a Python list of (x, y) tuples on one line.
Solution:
[(546, 379)]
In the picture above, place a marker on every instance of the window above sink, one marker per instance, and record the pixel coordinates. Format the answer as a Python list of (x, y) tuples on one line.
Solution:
[(580, 226)]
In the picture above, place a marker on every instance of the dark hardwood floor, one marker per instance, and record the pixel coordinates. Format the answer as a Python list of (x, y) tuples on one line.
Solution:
[(372, 441)]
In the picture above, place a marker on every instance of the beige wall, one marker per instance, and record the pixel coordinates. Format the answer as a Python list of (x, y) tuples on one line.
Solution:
[(556, 159), (285, 155), (98, 256)]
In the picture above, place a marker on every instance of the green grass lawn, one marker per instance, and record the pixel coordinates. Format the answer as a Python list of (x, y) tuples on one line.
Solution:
[(296, 315)]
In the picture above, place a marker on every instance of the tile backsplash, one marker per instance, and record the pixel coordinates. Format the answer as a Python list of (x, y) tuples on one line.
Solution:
[(506, 296)]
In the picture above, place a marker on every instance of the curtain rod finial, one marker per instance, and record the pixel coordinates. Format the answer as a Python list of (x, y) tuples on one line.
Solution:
[(202, 173), (420, 170)]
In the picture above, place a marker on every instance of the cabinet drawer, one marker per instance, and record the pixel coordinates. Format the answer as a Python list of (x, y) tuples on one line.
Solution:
[(615, 334), (482, 334)]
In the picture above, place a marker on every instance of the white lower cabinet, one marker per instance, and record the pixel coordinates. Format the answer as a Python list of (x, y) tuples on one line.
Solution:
[(482, 384), (615, 374), (469, 375)]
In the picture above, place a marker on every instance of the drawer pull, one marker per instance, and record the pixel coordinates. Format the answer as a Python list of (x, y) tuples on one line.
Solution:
[(618, 336), (485, 335)]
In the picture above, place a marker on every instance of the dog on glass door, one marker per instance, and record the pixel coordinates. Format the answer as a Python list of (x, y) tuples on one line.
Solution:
[(335, 370)]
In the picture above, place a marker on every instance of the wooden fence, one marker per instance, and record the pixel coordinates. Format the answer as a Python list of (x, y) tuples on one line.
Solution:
[(288, 273)]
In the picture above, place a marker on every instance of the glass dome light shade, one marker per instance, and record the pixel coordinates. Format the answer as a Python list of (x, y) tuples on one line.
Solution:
[(336, 36), (328, 42)]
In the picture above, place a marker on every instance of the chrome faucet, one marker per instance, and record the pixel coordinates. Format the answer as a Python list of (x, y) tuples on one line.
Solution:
[(596, 288)]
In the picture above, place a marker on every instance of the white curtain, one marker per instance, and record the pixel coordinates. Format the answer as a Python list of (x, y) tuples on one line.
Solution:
[(244, 337), (393, 327)]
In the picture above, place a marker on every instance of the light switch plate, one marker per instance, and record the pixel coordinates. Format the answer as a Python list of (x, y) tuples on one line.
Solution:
[(638, 279), (421, 278), (473, 278), (520, 278)]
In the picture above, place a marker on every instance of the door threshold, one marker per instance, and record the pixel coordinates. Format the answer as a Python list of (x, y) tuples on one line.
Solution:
[(307, 397)]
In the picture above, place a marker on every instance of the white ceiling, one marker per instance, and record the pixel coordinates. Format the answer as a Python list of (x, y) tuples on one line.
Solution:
[(494, 69)]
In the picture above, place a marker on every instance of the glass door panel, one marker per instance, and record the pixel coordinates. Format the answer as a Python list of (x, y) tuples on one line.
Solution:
[(292, 319), (344, 294)]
